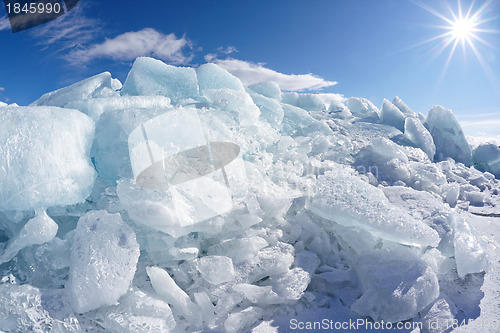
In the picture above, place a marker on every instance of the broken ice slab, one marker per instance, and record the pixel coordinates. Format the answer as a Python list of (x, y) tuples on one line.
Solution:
[(110, 151), (212, 76), (448, 136), (268, 89), (150, 77), (216, 269), (201, 178), (136, 312), (100, 85), (24, 308), (237, 103), (95, 107), (415, 132), (168, 290), (470, 251), (38, 230), (362, 108), (104, 257), (240, 321), (407, 111), (391, 115), (349, 201), (486, 157), (396, 285), (44, 157), (238, 249), (270, 109)]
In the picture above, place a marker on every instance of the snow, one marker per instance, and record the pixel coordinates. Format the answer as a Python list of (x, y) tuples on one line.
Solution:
[(195, 204)]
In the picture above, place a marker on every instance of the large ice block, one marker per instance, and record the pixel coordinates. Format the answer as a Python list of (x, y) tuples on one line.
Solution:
[(396, 285), (486, 157), (363, 108), (149, 77), (419, 136), (391, 115), (448, 136), (407, 111), (237, 103), (211, 76), (349, 201), (44, 157), (95, 107), (268, 89), (110, 151), (470, 251), (104, 257), (270, 109), (100, 85), (199, 173)]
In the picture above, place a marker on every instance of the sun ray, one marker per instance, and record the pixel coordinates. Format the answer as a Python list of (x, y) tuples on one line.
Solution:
[(463, 28)]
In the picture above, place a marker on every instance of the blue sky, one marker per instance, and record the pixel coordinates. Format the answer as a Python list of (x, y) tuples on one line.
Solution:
[(370, 47)]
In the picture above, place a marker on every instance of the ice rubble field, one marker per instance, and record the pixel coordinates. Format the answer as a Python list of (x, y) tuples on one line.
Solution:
[(342, 209)]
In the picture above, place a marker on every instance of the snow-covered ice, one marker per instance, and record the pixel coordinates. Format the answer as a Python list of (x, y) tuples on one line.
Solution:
[(448, 135), (391, 115), (185, 201), (419, 136), (44, 157), (103, 261)]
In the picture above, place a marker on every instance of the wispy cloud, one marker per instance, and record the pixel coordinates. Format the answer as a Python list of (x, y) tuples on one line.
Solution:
[(481, 124), (2, 88), (220, 51), (70, 31), (250, 73), (130, 45), (4, 23)]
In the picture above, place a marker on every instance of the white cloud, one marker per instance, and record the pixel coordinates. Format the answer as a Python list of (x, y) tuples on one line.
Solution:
[(4, 23), (2, 88), (250, 73), (130, 45)]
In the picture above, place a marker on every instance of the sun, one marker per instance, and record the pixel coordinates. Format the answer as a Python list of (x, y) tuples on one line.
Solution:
[(462, 27)]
